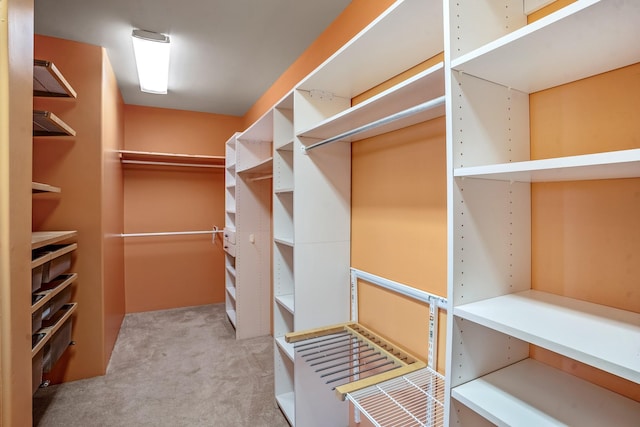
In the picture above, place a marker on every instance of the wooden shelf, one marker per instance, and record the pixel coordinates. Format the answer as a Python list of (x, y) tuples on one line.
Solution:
[(49, 255), (265, 167), (38, 187), (611, 165), (286, 347), (52, 289), (44, 238), (171, 159), (45, 123), (541, 55), (600, 336), (287, 302), (533, 394), (48, 331), (49, 81), (420, 88)]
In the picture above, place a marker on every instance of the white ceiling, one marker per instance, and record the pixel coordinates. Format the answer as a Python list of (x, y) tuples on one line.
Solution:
[(224, 53)]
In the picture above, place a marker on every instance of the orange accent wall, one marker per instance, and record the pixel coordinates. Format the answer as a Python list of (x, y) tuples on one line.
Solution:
[(112, 202), (355, 17), (16, 68), (176, 271), (586, 234), (81, 165), (399, 228)]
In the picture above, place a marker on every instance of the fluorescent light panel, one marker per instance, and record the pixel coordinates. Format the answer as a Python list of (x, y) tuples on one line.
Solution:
[(152, 59)]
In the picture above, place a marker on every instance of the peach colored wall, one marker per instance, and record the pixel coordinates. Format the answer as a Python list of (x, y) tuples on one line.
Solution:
[(399, 228), (586, 234), (112, 206), (179, 271), (16, 71), (355, 17), (76, 164)]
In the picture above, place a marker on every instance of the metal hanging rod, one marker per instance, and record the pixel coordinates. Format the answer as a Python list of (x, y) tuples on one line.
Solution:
[(191, 165), (428, 105), (173, 233)]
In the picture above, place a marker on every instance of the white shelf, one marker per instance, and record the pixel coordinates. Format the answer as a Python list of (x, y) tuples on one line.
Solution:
[(287, 241), (610, 165), (287, 302), (376, 49), (580, 40), (232, 316), (600, 336), (530, 393), (286, 401), (232, 292), (231, 211), (283, 190), (264, 167), (422, 87), (286, 347), (231, 270), (287, 146)]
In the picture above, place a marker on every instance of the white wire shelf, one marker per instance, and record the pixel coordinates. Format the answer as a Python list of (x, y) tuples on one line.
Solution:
[(414, 399)]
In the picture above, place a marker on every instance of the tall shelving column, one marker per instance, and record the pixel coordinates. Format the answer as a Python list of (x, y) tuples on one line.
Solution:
[(494, 60), (283, 250), (51, 255), (254, 172), (229, 234)]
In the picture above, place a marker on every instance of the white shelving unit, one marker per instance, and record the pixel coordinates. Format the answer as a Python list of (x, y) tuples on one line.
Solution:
[(493, 61), (230, 228), (249, 171), (312, 188)]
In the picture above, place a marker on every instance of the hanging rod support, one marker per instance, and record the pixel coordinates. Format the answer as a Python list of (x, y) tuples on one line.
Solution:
[(428, 105)]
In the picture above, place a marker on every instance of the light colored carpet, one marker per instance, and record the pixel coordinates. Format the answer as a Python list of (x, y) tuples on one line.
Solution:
[(180, 367)]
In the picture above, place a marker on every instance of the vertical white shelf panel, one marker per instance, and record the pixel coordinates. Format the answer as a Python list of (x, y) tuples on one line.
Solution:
[(493, 60)]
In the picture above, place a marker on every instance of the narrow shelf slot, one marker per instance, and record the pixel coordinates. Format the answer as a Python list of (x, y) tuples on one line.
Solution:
[(287, 146), (610, 165), (44, 238), (49, 81), (557, 324), (287, 404), (544, 396), (38, 187), (287, 302), (232, 292), (231, 270), (232, 316), (45, 123), (286, 347)]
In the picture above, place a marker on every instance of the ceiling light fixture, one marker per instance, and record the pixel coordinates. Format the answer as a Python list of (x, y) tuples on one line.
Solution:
[(152, 59)]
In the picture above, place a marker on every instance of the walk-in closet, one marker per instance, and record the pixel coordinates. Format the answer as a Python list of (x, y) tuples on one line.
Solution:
[(428, 217)]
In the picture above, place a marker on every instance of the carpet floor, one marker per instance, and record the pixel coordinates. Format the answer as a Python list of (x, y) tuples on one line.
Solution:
[(180, 367)]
